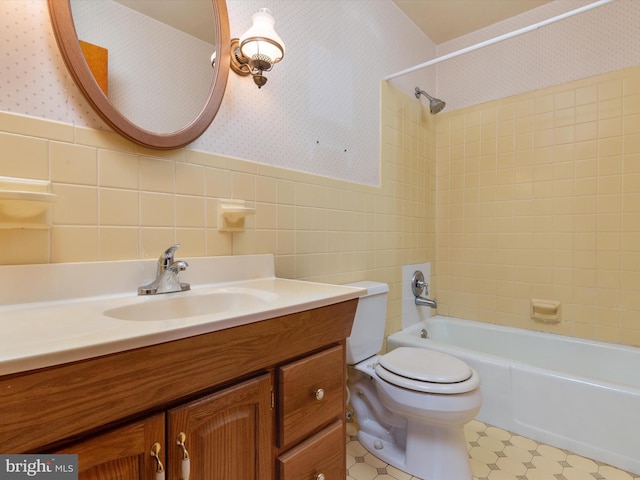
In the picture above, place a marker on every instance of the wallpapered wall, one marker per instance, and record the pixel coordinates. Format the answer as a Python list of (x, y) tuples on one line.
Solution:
[(597, 41), (323, 98), (318, 113)]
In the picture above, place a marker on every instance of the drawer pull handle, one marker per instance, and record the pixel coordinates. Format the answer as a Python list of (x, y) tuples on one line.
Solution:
[(319, 393), (319, 476), (155, 453), (186, 462)]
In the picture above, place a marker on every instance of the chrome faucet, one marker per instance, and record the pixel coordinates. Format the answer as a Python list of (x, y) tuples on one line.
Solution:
[(167, 280), (418, 285), (426, 302)]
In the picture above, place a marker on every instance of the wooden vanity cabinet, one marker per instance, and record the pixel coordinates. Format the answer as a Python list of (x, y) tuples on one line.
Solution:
[(245, 399), (121, 453), (322, 456), (311, 407), (228, 435)]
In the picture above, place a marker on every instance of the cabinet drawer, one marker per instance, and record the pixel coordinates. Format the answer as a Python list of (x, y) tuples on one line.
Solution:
[(324, 453), (311, 394)]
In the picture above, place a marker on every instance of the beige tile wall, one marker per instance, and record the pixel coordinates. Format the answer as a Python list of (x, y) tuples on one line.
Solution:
[(119, 201), (538, 196)]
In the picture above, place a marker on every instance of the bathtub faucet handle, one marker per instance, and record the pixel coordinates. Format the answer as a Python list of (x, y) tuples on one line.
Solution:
[(418, 285)]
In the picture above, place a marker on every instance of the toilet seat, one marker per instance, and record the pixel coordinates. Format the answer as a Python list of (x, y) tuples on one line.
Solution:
[(426, 371)]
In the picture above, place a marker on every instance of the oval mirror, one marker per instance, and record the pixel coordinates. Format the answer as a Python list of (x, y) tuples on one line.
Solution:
[(147, 70)]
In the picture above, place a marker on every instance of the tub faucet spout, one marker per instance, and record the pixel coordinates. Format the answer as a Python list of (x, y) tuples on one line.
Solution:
[(426, 302)]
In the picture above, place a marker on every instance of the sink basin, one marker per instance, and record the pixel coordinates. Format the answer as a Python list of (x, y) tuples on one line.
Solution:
[(170, 307), (77, 320)]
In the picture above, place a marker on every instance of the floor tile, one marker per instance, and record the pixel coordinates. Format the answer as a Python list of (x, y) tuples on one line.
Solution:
[(495, 454)]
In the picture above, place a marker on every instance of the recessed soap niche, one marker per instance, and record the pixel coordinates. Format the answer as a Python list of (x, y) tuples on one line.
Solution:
[(25, 203)]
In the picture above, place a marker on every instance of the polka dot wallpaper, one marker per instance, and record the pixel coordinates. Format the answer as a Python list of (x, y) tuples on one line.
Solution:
[(34, 81), (601, 40), (319, 111)]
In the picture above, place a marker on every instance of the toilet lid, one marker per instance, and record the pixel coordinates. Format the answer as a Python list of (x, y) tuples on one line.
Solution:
[(425, 365)]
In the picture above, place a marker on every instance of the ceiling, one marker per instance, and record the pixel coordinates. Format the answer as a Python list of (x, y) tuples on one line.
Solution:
[(440, 20), (194, 17), (444, 20)]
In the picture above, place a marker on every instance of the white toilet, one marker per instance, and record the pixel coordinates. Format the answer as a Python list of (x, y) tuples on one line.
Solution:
[(410, 403)]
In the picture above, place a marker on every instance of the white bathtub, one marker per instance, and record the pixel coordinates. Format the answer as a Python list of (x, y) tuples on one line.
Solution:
[(580, 395)]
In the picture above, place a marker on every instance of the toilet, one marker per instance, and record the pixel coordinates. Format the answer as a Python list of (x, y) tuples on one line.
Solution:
[(411, 403)]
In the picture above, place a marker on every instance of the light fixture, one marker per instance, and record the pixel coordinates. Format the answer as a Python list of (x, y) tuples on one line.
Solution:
[(258, 49)]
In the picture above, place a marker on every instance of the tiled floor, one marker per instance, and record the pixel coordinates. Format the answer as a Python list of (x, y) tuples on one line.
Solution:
[(495, 455)]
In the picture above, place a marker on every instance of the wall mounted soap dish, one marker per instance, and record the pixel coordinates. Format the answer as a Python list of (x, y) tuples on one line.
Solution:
[(25, 203), (232, 213)]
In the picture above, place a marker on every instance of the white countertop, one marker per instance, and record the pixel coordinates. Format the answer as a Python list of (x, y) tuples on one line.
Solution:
[(51, 332)]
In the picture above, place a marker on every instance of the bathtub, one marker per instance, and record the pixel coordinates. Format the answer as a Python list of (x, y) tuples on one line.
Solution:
[(580, 395)]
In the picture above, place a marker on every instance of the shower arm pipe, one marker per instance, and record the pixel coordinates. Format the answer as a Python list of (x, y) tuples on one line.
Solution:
[(499, 38)]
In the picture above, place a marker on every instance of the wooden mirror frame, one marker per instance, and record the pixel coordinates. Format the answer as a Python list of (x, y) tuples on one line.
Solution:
[(67, 38)]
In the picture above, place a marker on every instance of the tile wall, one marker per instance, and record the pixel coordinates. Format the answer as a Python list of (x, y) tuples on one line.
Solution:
[(538, 196), (119, 201)]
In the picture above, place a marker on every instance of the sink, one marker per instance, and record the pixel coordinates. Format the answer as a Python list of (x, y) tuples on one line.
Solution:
[(176, 306), (78, 319)]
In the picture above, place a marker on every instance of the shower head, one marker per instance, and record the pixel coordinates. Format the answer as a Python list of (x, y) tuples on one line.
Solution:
[(435, 104)]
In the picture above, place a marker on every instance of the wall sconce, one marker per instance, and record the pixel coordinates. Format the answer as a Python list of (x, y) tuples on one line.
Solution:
[(258, 49)]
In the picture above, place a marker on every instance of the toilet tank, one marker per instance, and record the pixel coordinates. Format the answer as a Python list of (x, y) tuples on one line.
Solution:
[(367, 333)]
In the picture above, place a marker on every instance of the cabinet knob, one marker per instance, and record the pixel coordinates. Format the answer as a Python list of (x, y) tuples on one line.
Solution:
[(319, 476), (319, 393)]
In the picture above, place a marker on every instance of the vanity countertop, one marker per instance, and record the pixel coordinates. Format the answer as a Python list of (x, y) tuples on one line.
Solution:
[(37, 334)]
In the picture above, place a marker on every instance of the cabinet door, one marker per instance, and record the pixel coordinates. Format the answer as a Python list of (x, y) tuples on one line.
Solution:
[(122, 453), (228, 435)]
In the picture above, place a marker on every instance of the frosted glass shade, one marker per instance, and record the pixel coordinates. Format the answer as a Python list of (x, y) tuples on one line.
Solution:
[(261, 39)]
